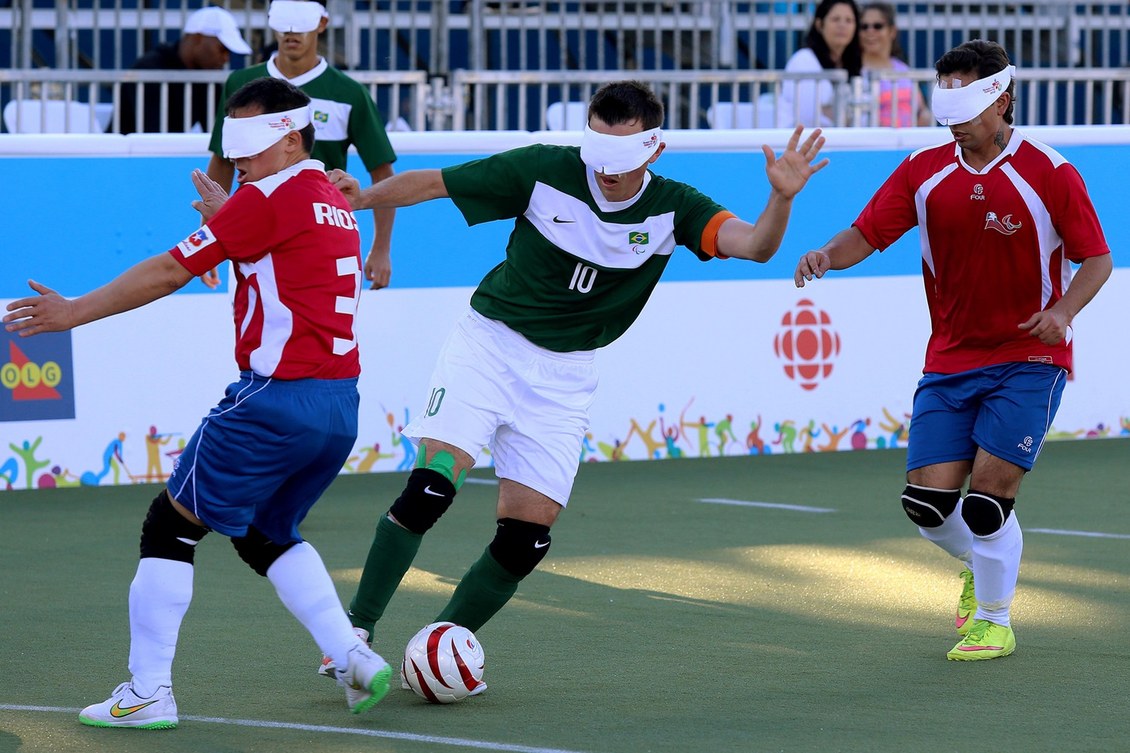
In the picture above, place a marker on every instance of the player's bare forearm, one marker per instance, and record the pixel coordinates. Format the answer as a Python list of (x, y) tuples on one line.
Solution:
[(846, 249), (401, 190), (142, 283), (757, 242), (1090, 277)]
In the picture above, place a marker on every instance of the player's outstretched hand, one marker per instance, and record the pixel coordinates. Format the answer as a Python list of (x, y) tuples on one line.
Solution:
[(1049, 326), (347, 184), (212, 195), (788, 173), (378, 269), (46, 312), (813, 264)]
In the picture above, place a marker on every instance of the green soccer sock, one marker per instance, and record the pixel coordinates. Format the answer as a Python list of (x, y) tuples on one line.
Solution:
[(485, 588), (390, 556)]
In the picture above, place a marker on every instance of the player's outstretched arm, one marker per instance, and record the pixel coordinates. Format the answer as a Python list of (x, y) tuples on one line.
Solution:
[(787, 175), (846, 249), (401, 190), (142, 283)]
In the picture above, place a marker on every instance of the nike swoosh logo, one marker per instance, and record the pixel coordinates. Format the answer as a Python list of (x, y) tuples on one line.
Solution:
[(541, 544), (560, 221), (118, 712), (428, 490), (959, 621), (980, 648)]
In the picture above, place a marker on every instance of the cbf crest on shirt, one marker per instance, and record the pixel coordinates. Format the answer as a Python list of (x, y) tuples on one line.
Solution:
[(996, 246), (578, 269), (296, 251)]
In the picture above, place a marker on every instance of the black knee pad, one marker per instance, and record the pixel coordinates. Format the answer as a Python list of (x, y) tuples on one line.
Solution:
[(258, 551), (168, 535), (985, 513), (928, 507), (519, 545), (425, 498)]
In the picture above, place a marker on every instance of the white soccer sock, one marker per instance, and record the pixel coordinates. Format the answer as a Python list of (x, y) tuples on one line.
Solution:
[(158, 599), (953, 535), (996, 565), (301, 580)]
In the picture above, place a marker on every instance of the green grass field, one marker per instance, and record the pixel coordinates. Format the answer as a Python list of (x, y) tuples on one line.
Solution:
[(657, 622)]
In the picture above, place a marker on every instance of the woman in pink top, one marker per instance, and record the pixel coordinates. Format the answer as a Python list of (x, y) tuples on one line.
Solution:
[(901, 103)]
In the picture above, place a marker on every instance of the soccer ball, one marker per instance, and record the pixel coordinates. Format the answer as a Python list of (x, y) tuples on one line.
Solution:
[(443, 663)]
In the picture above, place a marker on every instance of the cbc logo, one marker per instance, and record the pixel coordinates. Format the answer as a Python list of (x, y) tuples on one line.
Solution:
[(30, 375), (807, 344)]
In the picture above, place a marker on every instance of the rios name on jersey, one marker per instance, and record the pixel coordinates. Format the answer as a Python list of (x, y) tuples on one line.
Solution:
[(578, 268)]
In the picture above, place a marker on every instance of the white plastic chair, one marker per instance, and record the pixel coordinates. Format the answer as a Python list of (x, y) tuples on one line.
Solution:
[(760, 114), (56, 116), (567, 116)]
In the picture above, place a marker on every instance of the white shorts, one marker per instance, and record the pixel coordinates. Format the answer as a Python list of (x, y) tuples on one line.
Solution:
[(494, 388)]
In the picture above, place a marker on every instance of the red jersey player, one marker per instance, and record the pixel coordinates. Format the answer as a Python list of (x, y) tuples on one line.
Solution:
[(265, 454), (1001, 218)]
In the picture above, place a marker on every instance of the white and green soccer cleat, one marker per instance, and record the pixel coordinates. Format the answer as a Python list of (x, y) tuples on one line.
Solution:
[(365, 679), (127, 709), (985, 640), (966, 604), (327, 669)]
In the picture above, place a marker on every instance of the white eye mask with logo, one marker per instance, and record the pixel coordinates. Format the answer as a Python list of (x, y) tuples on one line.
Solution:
[(613, 155), (964, 103), (246, 137), (296, 16)]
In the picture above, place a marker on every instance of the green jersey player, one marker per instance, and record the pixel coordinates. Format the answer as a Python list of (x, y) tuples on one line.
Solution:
[(593, 230)]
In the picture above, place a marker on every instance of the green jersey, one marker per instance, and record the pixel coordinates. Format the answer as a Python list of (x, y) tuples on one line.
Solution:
[(343, 114), (578, 268)]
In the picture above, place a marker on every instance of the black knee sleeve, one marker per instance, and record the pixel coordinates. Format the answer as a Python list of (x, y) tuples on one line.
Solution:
[(928, 507), (257, 550), (985, 513), (168, 535), (425, 498), (519, 545)]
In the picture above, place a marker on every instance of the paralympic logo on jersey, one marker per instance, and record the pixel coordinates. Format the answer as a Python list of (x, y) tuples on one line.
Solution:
[(807, 344), (1004, 225)]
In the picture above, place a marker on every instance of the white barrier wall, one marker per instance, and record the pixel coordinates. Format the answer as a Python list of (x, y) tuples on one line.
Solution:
[(728, 358)]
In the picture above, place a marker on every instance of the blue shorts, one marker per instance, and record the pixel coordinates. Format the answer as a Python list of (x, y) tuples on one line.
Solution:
[(264, 455), (1005, 409)]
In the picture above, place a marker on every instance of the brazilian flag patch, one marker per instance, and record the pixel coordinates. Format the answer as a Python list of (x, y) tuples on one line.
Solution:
[(321, 117), (637, 238)]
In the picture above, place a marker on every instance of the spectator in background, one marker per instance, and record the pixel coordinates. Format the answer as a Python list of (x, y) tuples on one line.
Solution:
[(209, 37), (901, 103), (344, 114), (832, 42)]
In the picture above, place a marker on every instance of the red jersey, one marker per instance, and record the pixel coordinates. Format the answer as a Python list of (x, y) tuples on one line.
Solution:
[(296, 251), (996, 246)]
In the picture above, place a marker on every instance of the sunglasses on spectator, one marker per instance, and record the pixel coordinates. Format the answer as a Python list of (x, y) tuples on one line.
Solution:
[(872, 27)]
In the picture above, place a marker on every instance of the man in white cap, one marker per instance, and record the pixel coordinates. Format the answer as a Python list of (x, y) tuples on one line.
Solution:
[(344, 114), (209, 38), (1001, 218), (594, 229)]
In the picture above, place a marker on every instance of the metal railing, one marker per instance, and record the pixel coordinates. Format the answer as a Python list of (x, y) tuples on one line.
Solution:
[(45, 100), (441, 36)]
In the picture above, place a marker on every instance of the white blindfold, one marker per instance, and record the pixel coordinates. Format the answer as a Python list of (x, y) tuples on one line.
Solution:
[(963, 104), (295, 16), (246, 137), (613, 155)]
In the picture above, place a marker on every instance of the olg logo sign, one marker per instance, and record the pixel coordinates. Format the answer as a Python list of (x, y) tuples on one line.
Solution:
[(36, 377)]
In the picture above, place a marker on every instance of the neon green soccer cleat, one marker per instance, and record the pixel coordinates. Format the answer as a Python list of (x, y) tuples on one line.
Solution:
[(966, 604), (985, 640)]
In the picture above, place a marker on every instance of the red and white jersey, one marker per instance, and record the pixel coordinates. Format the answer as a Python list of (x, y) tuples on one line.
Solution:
[(294, 245), (996, 246)]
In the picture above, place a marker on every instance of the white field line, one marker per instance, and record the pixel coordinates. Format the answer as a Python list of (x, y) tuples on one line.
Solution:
[(1089, 534), (482, 481), (452, 741), (773, 505)]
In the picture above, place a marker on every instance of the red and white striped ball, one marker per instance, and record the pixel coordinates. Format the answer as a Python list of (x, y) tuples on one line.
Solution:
[(443, 663)]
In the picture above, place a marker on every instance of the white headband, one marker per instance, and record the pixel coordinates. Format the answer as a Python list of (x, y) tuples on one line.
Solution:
[(964, 103), (613, 155), (297, 16), (246, 137)]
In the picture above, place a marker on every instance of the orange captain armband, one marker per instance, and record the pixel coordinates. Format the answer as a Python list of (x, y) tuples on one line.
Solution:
[(709, 242)]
